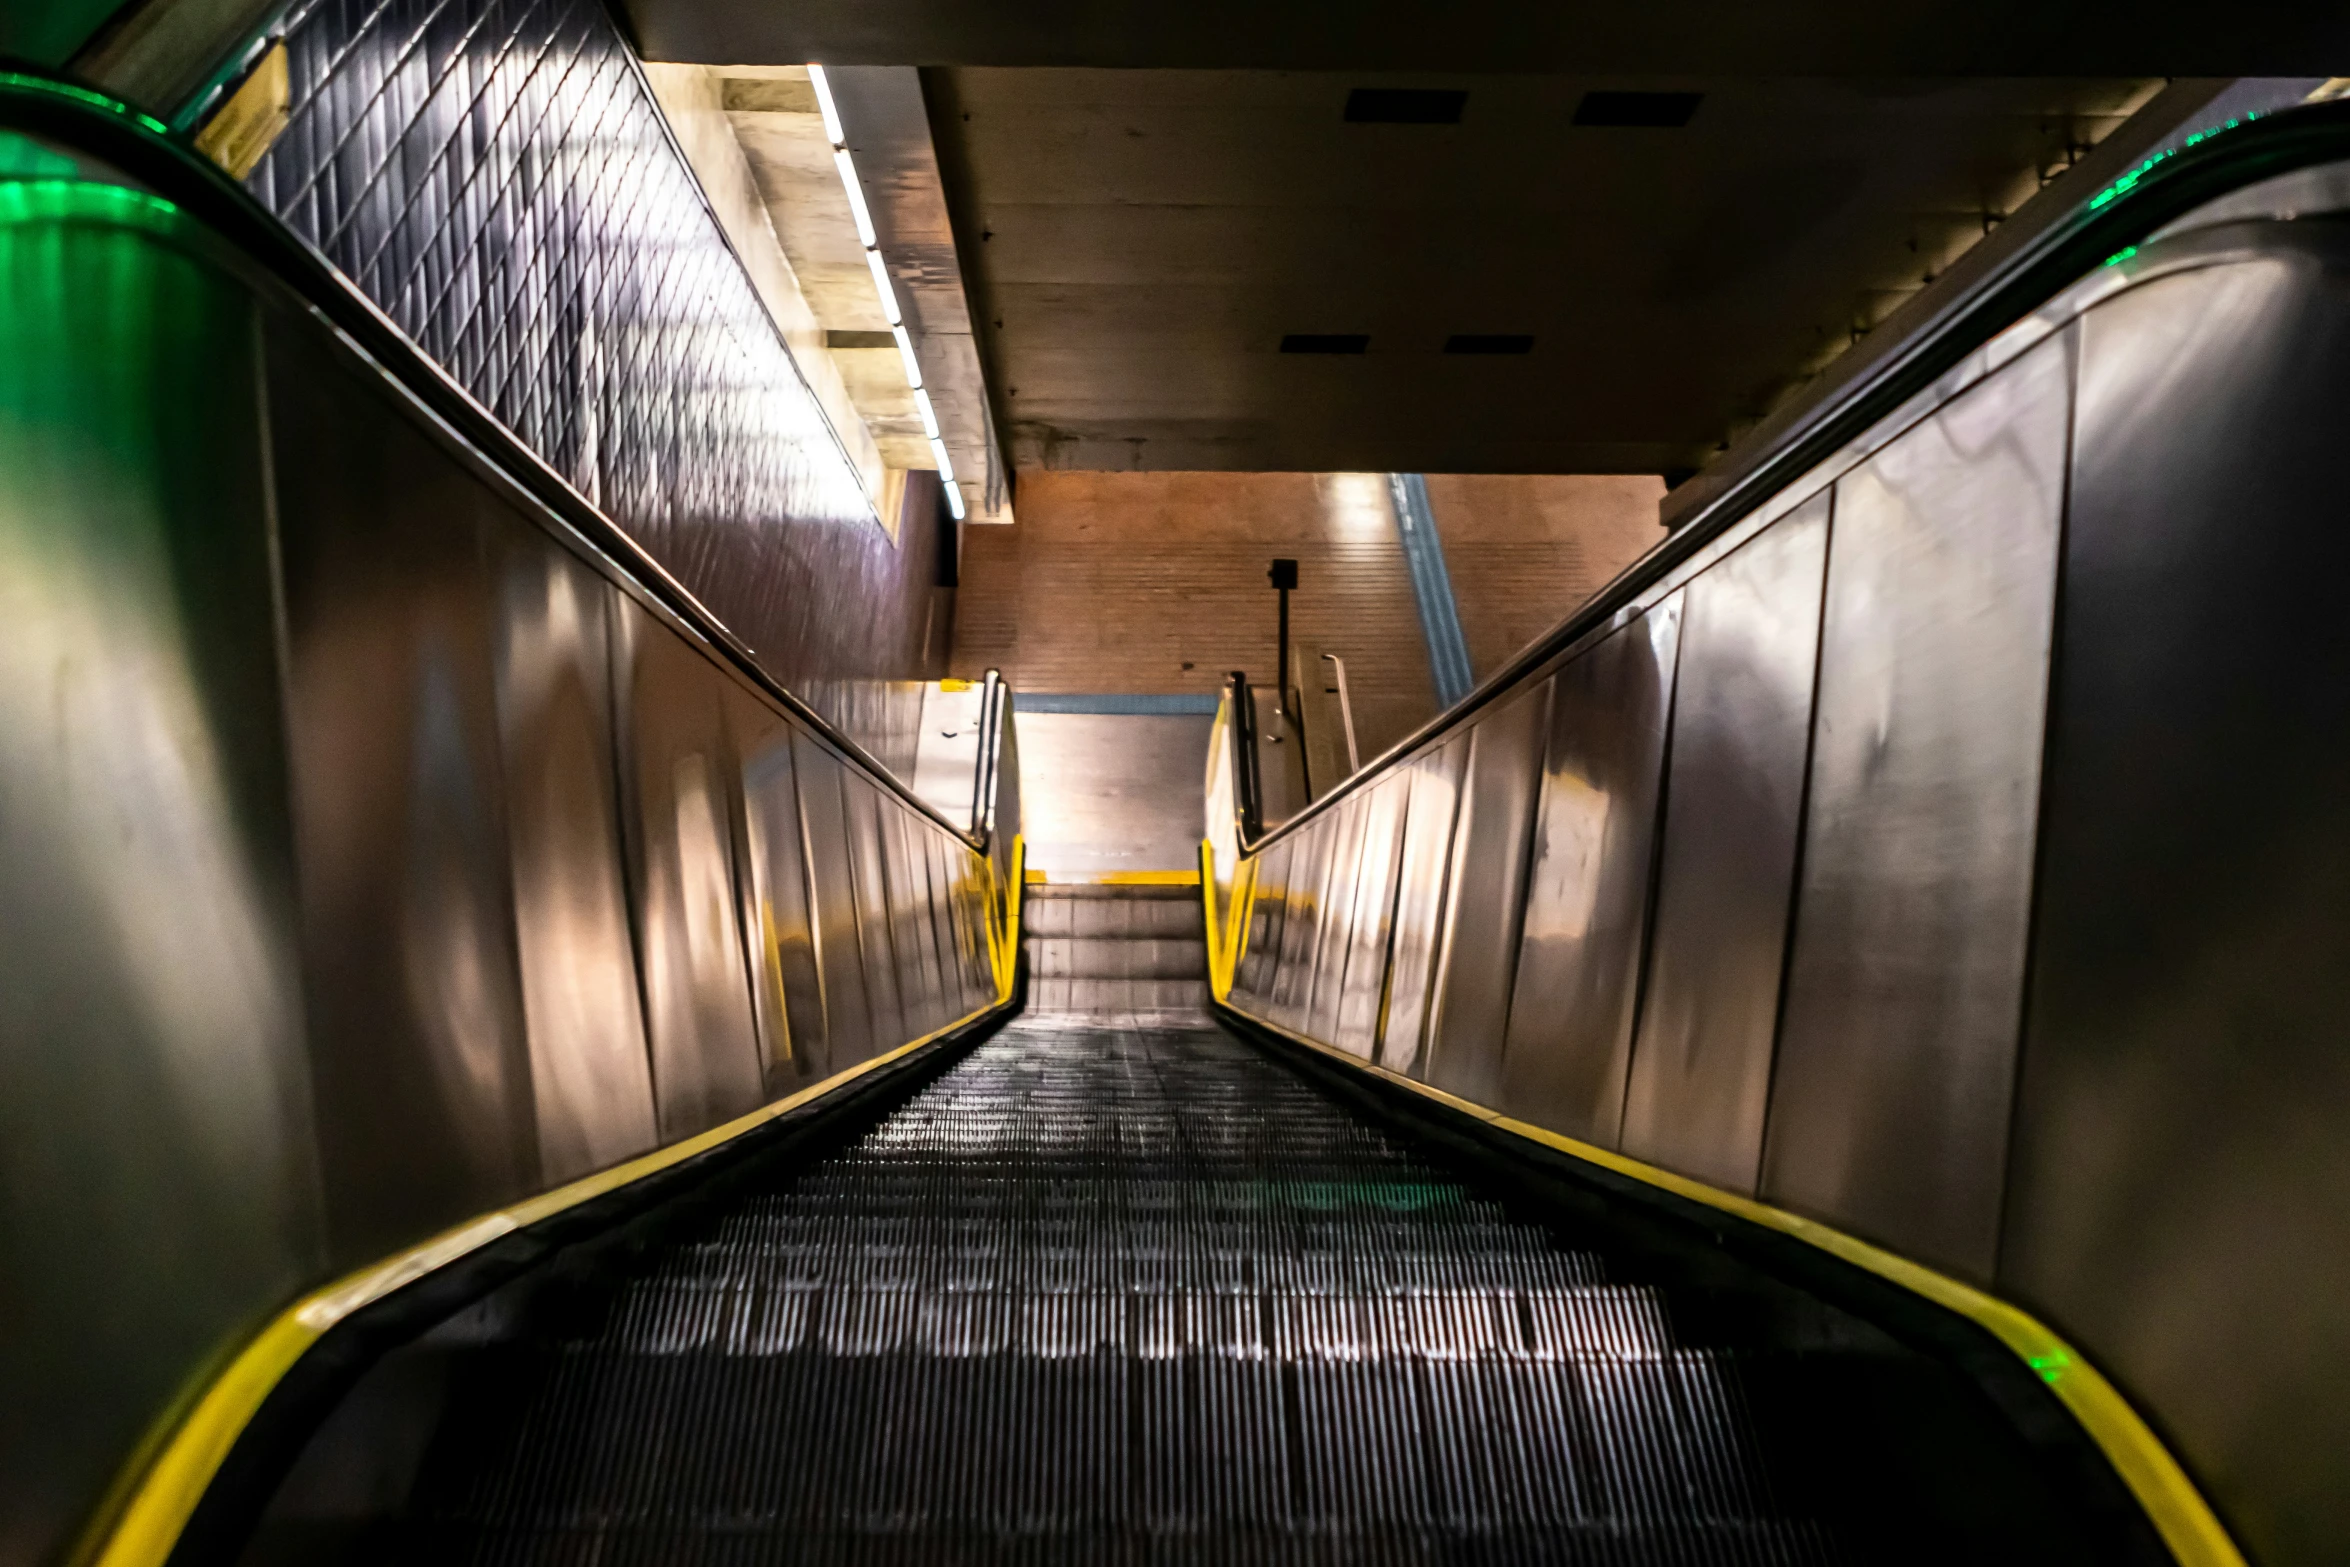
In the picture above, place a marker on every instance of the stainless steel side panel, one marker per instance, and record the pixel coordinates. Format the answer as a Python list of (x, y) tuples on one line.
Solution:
[(908, 873), (1701, 1068), (1336, 936), (869, 875), (707, 1064), (1570, 1023), (2180, 1161), (840, 952), (785, 977), (422, 1073), (1300, 925), (1889, 1104), (1425, 863), (1486, 896), (591, 1075), (1365, 988), (1252, 981), (158, 1185)]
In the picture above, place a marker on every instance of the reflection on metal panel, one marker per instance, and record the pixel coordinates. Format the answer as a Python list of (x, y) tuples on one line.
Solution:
[(1253, 977), (706, 1057), (2179, 1163), (422, 1074), (907, 884), (1487, 890), (1294, 968), (1570, 1025), (869, 878), (1365, 986), (840, 961), (787, 980), (1701, 1069), (1336, 936), (157, 1185), (591, 1077), (1889, 1103), (1424, 863)]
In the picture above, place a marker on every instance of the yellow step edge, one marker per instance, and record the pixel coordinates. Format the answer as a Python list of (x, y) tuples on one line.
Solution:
[(2170, 1499)]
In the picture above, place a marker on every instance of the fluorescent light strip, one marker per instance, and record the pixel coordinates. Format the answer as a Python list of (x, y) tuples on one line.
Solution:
[(906, 354), (825, 106), (857, 207), (881, 286), (946, 464), (929, 414), (955, 501)]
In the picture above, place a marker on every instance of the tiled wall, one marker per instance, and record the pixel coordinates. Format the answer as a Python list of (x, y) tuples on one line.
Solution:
[(495, 175)]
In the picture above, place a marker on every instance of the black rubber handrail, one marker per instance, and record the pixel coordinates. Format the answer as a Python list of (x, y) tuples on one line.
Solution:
[(144, 149), (2128, 211)]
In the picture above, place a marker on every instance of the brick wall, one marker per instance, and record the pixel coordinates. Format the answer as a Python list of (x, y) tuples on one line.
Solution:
[(1155, 582)]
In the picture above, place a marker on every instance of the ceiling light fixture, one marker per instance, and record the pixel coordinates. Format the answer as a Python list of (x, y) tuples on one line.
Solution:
[(846, 167), (825, 106)]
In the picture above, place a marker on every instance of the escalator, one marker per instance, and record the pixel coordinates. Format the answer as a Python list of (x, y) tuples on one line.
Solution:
[(1377, 1212), (1143, 1293)]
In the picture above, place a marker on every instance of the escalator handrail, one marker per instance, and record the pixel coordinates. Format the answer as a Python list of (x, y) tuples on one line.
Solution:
[(2125, 213), (167, 164)]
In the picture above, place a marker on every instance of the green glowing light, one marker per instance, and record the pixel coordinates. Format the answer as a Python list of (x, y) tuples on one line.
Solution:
[(2120, 256), (95, 100), (47, 200), (22, 158), (2129, 181), (2052, 1366)]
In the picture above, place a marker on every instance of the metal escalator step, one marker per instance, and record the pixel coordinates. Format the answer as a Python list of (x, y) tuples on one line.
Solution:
[(1105, 1295)]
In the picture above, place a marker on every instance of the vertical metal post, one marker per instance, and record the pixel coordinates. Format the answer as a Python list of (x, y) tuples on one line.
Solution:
[(1283, 576)]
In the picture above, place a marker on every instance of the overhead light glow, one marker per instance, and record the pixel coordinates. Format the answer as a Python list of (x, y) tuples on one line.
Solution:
[(955, 501), (913, 367), (946, 464), (881, 286), (929, 414), (857, 208), (825, 106)]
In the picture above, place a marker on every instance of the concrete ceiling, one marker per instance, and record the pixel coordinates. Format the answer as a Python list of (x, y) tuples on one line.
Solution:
[(1611, 37), (1141, 243)]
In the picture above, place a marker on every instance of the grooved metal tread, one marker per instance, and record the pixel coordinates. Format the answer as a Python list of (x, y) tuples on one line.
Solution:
[(1104, 1295)]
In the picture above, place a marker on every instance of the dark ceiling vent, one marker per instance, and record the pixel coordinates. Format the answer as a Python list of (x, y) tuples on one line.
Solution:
[(1326, 343), (1664, 111), (1405, 105), (1490, 343)]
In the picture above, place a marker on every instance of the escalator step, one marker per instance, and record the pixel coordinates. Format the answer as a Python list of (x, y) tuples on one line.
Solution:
[(1104, 1295)]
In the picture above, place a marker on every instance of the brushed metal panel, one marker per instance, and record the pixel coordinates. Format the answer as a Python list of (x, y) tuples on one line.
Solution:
[(787, 980), (421, 1068), (1889, 1102), (1423, 866), (869, 880), (1333, 942), (591, 1074), (707, 1062), (832, 892), (2180, 1163), (1485, 897), (1261, 944), (158, 1184), (1586, 924), (1701, 1066), (1364, 988), (1293, 975), (907, 884)]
